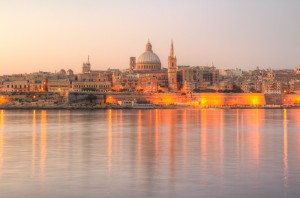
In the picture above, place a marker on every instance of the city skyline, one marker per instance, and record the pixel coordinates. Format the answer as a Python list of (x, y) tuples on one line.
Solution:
[(52, 35)]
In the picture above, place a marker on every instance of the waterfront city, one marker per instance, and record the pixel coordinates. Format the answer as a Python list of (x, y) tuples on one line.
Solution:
[(146, 84), (149, 99)]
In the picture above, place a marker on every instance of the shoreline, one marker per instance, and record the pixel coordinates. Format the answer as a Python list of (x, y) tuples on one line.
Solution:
[(105, 107)]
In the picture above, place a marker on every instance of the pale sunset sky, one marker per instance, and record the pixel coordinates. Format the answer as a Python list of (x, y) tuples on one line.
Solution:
[(48, 35)]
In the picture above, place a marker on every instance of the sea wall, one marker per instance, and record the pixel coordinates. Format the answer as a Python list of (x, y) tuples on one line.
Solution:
[(201, 99), (86, 97), (210, 99), (27, 97)]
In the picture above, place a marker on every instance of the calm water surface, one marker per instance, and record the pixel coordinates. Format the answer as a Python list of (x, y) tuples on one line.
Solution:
[(150, 153)]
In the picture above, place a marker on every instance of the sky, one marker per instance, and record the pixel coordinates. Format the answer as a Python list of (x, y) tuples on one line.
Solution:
[(50, 35)]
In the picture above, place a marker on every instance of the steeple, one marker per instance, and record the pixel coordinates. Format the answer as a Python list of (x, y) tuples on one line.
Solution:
[(172, 69), (172, 50)]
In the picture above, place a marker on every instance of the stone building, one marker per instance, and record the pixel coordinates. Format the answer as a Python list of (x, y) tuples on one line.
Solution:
[(91, 86), (59, 85)]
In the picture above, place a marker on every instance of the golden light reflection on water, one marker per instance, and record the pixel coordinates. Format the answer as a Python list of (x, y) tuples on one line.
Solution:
[(221, 124), (1, 138), (172, 135), (184, 134), (203, 135), (43, 142), (157, 135), (109, 140), (121, 132), (285, 148), (154, 148), (140, 140), (237, 133), (255, 120), (33, 142)]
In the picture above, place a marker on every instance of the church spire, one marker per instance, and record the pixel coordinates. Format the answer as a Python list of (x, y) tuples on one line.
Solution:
[(172, 49)]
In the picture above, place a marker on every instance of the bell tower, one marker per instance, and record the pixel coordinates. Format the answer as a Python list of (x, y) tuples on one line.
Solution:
[(172, 70), (132, 63), (86, 67)]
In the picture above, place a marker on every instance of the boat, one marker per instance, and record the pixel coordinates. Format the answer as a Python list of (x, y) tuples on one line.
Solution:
[(134, 105)]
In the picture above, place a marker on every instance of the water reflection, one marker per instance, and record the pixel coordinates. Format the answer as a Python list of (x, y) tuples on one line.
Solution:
[(285, 148), (150, 153), (139, 136), (203, 133), (157, 136), (109, 140), (43, 143), (237, 133), (1, 138), (33, 144)]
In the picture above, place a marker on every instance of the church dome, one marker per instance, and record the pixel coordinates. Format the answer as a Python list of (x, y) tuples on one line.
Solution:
[(148, 60)]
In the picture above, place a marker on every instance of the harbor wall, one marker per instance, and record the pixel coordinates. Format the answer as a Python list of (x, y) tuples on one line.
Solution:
[(202, 99)]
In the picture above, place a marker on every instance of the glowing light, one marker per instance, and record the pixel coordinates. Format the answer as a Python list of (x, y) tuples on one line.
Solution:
[(203, 102), (3, 100), (110, 100), (254, 101)]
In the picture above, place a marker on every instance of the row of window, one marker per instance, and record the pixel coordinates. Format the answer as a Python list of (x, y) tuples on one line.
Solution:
[(92, 86), (21, 87), (148, 67)]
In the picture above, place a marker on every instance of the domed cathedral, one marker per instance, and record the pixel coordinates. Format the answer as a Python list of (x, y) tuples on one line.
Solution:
[(147, 61)]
